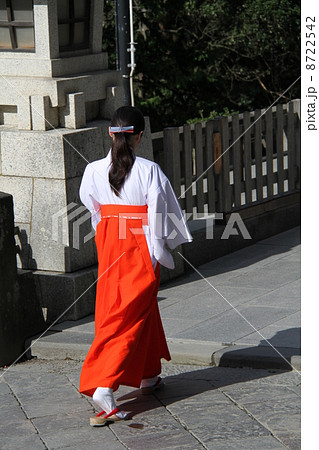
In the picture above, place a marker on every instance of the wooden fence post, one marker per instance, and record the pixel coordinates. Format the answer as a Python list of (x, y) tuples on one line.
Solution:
[(291, 147), (297, 126), (247, 157), (188, 178), (279, 146), (225, 166), (218, 163), (269, 153), (211, 200), (237, 161), (258, 155), (199, 167), (171, 147)]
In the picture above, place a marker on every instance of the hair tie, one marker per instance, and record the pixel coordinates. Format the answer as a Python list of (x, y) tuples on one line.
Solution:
[(121, 129)]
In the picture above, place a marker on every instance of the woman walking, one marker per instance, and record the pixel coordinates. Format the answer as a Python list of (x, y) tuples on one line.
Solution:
[(136, 215)]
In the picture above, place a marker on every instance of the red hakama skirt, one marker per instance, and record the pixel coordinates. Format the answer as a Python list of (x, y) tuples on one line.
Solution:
[(129, 337)]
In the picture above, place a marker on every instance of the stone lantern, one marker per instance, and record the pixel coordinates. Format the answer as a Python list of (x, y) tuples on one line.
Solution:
[(56, 95)]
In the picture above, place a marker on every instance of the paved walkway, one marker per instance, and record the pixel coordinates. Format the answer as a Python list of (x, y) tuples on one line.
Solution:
[(201, 407), (240, 310), (206, 405)]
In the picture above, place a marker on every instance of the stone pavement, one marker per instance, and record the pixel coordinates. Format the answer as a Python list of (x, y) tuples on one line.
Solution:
[(206, 405), (201, 407), (246, 312)]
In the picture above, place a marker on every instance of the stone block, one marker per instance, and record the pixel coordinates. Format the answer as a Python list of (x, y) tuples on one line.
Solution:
[(258, 357), (92, 110), (21, 190), (67, 430), (38, 154), (81, 251), (186, 351), (63, 346), (41, 30), (54, 154), (243, 443), (40, 110), (92, 83), (19, 435), (59, 225), (63, 154), (114, 100), (79, 64), (52, 117), (97, 30), (163, 434), (73, 114), (66, 296), (24, 114), (8, 115), (60, 399), (17, 89), (83, 146), (30, 66), (46, 29), (49, 197)]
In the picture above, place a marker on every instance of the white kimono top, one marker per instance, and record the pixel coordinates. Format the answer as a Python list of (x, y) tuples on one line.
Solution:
[(146, 184)]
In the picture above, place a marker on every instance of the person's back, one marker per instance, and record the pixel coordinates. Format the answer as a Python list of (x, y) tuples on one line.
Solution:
[(135, 188), (143, 184), (130, 200)]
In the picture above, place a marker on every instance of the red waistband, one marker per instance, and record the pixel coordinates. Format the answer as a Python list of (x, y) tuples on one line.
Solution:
[(125, 212)]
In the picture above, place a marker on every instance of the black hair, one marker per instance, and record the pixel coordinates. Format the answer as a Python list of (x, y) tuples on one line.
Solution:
[(121, 151)]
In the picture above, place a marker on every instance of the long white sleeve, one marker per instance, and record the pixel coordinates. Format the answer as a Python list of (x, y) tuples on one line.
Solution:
[(89, 196), (166, 220)]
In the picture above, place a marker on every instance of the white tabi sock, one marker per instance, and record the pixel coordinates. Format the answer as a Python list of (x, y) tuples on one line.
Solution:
[(148, 382), (103, 397)]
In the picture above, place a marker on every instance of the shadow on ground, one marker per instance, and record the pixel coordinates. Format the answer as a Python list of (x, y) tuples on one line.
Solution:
[(282, 351), (186, 386)]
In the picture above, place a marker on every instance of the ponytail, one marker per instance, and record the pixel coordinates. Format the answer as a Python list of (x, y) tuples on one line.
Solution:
[(121, 152), (122, 162)]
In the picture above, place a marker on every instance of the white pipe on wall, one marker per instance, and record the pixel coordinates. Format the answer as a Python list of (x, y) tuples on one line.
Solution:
[(131, 49)]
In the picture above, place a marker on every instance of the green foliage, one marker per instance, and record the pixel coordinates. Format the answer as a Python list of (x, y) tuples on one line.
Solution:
[(198, 56), (212, 115)]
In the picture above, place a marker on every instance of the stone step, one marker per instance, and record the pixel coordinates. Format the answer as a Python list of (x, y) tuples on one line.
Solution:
[(60, 345)]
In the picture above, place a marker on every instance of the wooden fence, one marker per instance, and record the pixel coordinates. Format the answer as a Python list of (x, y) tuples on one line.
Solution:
[(234, 162)]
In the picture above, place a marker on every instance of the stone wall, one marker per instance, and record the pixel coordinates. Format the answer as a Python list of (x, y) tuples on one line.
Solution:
[(20, 313), (43, 172)]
